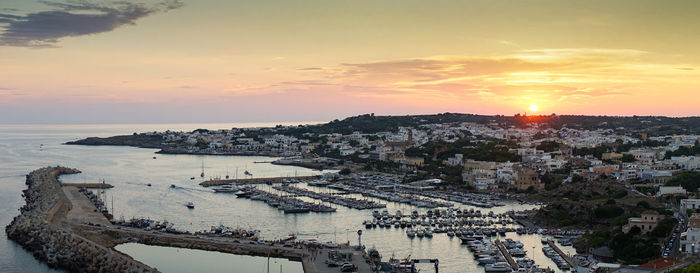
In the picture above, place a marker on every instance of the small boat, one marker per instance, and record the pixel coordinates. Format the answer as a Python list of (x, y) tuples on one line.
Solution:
[(247, 173), (498, 267), (172, 186), (192, 178), (226, 189), (149, 184), (243, 194), (189, 205), (154, 157), (410, 233)]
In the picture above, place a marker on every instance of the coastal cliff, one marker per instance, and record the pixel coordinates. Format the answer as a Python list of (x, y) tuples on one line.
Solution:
[(40, 230)]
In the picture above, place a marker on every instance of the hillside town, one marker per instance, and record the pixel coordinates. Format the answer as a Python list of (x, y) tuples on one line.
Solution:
[(582, 154)]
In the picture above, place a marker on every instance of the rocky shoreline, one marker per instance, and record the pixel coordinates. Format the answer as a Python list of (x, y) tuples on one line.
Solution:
[(40, 230)]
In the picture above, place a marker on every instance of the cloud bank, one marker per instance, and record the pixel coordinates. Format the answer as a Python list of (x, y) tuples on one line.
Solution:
[(74, 18)]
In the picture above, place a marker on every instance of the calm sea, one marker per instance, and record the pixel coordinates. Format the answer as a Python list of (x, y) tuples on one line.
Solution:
[(27, 147)]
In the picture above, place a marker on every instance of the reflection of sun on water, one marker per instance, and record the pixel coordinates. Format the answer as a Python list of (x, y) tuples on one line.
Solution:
[(534, 108)]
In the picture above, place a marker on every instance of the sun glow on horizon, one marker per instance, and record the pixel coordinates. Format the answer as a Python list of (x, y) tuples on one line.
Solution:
[(534, 108)]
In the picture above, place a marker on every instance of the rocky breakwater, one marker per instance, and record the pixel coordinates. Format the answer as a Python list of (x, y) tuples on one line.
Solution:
[(41, 230)]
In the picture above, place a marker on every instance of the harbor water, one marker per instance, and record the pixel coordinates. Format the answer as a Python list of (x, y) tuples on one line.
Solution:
[(181, 260), (131, 170)]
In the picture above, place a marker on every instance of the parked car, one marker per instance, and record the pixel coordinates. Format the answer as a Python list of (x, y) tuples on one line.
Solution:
[(346, 267)]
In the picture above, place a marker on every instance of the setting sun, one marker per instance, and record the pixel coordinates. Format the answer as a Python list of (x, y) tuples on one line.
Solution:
[(534, 108)]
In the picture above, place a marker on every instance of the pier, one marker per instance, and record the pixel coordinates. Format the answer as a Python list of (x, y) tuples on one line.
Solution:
[(506, 254), (561, 253), (260, 180)]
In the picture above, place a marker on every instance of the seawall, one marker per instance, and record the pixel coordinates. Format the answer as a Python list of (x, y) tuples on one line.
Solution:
[(40, 228)]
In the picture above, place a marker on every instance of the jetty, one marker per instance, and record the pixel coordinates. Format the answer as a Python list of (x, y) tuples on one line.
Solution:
[(88, 185), (561, 253), (260, 180), (506, 254), (46, 228)]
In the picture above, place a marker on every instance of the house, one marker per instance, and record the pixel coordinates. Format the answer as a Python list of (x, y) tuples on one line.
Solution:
[(458, 160), (347, 151), (646, 222), (689, 204), (603, 253), (611, 156), (690, 239), (660, 263), (526, 178)]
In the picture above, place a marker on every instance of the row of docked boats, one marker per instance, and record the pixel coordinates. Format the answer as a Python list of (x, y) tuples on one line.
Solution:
[(450, 213), (420, 233), (472, 199), (381, 187), (398, 197), (285, 203), (556, 233), (556, 258), (331, 198), (487, 254)]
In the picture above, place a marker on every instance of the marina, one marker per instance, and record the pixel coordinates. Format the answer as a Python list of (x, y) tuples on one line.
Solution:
[(132, 169)]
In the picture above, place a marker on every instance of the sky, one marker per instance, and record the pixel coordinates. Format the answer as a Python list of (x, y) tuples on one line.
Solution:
[(160, 61)]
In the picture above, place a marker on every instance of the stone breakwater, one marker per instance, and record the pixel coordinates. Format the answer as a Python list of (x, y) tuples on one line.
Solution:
[(40, 229)]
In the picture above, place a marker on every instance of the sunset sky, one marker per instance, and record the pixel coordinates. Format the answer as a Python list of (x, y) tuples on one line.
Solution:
[(303, 60)]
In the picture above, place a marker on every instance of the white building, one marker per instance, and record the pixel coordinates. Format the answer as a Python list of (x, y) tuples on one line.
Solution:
[(458, 160), (664, 190), (690, 240), (691, 204)]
